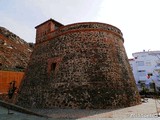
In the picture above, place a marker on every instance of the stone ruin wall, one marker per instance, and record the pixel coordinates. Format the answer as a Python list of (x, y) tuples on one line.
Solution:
[(90, 70)]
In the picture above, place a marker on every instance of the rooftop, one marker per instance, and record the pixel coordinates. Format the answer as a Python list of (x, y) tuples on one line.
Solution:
[(52, 20), (149, 52)]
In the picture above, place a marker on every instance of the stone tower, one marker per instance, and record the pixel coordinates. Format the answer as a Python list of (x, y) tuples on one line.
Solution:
[(82, 65)]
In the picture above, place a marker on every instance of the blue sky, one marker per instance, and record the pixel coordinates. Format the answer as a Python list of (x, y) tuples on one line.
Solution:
[(139, 20)]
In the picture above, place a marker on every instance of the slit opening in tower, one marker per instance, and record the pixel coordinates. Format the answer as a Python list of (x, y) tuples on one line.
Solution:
[(53, 67)]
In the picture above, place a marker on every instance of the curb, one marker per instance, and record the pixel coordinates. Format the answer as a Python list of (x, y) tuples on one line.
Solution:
[(20, 109)]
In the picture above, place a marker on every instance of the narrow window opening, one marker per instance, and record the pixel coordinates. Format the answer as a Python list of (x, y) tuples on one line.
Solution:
[(53, 67)]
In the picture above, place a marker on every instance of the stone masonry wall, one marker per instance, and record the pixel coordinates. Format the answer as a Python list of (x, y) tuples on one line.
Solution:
[(82, 68)]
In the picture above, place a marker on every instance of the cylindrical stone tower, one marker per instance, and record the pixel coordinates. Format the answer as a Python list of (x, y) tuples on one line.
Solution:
[(82, 65)]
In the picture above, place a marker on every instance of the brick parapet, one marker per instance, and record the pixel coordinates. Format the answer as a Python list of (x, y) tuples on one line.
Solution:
[(77, 27)]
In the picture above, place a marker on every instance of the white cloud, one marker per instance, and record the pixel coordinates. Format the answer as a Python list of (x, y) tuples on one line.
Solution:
[(137, 19)]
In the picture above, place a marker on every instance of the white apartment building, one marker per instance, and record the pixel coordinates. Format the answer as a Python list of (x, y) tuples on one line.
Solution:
[(144, 63)]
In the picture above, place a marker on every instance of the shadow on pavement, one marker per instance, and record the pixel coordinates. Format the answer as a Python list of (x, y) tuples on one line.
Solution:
[(73, 113)]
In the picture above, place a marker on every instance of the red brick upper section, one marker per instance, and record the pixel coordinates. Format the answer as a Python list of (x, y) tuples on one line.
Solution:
[(50, 29), (45, 28)]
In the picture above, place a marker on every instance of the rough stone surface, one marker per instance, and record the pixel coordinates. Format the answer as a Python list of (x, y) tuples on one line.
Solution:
[(14, 51), (79, 66)]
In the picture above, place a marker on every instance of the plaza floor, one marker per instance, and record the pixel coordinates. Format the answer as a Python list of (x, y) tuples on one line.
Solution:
[(145, 111)]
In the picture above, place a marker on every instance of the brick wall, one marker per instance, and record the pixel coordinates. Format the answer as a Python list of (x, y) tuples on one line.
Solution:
[(80, 66)]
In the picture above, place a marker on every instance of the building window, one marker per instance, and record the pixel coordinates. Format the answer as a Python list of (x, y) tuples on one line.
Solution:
[(158, 63), (53, 66), (141, 73), (143, 56), (148, 63), (140, 63), (157, 71)]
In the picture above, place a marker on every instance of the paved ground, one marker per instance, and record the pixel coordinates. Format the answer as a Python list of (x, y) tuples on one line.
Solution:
[(144, 111), (17, 115)]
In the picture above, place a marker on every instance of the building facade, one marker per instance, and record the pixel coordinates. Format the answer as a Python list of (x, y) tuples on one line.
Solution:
[(82, 65), (146, 68)]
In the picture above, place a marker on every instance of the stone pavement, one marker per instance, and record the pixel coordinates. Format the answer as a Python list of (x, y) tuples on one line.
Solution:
[(16, 115), (144, 111)]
